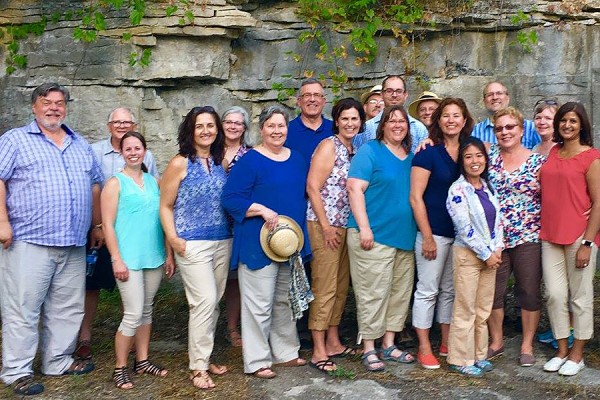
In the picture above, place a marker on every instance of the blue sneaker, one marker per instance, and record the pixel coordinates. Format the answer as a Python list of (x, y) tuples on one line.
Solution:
[(468, 370), (545, 337), (484, 365)]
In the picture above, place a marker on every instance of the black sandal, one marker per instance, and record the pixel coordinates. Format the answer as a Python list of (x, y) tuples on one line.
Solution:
[(25, 386), (146, 367), (122, 378)]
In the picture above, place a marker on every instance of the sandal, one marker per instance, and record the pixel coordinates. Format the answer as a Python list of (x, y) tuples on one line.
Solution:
[(26, 386), (217, 369), (146, 367), (404, 358), (80, 367), (122, 378), (202, 380), (234, 338), (347, 352), (369, 363), (265, 373), (323, 365)]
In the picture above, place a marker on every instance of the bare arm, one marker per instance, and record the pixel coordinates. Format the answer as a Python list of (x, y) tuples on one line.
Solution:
[(6, 233), (419, 177), (97, 234), (356, 193), (582, 258), (109, 202), (169, 186), (320, 168)]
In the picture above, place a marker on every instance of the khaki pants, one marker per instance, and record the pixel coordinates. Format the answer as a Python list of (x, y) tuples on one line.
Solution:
[(474, 285), (268, 331), (203, 270), (330, 273), (562, 278), (382, 279)]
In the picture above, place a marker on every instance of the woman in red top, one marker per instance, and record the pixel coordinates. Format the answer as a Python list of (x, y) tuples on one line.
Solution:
[(570, 218)]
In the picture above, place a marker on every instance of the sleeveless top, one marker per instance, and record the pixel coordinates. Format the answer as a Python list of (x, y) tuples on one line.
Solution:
[(197, 210), (334, 193), (519, 194), (137, 224)]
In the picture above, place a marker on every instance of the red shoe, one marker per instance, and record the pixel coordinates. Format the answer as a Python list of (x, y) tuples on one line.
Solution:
[(428, 361), (443, 350)]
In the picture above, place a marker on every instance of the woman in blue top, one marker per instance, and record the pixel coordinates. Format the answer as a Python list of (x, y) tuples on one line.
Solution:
[(197, 228), (434, 170), (269, 180), (477, 253), (136, 243), (381, 237)]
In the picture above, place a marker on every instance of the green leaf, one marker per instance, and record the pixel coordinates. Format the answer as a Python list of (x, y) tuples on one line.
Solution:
[(99, 21), (145, 58), (126, 36), (13, 47), (171, 10), (132, 59), (189, 15), (20, 60), (10, 69)]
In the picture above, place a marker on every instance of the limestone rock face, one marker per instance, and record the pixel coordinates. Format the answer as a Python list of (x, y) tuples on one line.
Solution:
[(235, 50)]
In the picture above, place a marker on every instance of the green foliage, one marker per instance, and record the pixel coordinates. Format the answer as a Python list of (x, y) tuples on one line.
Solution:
[(525, 39), (16, 33)]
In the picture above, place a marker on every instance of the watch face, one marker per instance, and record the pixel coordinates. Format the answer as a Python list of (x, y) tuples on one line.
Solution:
[(587, 243)]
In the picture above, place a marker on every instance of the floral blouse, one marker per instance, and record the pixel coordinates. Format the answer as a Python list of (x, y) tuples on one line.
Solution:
[(519, 195), (470, 223)]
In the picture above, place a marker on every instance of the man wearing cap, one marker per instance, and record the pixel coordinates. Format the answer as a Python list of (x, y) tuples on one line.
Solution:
[(307, 130), (495, 97), (394, 92), (372, 102), (423, 107)]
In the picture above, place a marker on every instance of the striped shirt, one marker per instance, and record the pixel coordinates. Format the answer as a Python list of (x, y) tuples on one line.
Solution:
[(48, 189), (112, 161), (485, 131)]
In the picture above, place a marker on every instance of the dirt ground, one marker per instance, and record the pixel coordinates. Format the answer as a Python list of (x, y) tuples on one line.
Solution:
[(169, 348)]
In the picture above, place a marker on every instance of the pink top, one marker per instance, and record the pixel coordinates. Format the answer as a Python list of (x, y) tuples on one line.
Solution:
[(565, 199)]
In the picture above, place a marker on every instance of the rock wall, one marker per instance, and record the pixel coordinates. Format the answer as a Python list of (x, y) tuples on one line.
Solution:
[(236, 50)]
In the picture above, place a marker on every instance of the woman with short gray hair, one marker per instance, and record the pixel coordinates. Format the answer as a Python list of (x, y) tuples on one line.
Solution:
[(268, 182)]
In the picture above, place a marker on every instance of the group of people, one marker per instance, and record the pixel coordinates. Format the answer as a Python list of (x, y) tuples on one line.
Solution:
[(377, 196)]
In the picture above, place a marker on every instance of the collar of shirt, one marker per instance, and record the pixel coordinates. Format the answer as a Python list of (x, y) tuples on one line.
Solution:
[(318, 130), (107, 147), (34, 128)]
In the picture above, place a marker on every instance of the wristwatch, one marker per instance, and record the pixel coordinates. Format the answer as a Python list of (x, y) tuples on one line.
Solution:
[(587, 243)]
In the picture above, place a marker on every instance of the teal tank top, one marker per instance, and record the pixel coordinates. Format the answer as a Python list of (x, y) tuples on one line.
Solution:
[(137, 225)]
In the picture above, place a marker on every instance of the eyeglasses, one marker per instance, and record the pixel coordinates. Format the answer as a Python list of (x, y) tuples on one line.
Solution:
[(122, 123), (375, 102), (308, 96), (549, 102), (237, 124), (390, 91), (508, 127), (396, 121), (494, 94)]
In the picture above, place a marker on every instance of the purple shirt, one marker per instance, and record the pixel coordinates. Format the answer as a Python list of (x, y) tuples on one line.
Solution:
[(48, 189)]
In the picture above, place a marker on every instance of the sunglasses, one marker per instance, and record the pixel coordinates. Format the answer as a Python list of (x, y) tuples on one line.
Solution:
[(548, 102), (508, 127)]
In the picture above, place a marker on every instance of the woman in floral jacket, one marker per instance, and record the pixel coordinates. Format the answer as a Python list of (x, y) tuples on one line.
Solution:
[(476, 255)]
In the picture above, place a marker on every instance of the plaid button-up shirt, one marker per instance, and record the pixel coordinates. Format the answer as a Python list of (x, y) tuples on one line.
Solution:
[(49, 189)]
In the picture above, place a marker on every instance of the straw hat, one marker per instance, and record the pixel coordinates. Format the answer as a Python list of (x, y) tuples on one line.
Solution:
[(374, 90), (283, 241), (414, 106)]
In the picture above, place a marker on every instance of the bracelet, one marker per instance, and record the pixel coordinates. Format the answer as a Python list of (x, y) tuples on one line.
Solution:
[(113, 260), (99, 226)]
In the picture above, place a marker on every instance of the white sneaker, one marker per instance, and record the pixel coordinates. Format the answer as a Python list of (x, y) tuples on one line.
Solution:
[(571, 368), (554, 364)]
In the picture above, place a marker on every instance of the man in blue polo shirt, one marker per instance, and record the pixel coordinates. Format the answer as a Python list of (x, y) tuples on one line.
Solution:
[(307, 130), (394, 92), (495, 97)]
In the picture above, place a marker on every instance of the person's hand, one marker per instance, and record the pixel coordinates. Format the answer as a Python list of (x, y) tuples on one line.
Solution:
[(96, 238), (367, 240), (120, 270), (429, 248), (494, 261), (331, 236), (582, 257), (170, 266), (271, 218), (6, 234), (178, 244), (423, 145)]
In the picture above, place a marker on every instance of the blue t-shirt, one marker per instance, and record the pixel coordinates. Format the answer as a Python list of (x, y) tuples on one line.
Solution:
[(278, 185), (444, 171), (304, 140), (387, 196)]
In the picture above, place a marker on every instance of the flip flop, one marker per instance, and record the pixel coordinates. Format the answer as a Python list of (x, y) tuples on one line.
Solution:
[(322, 365), (347, 352)]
